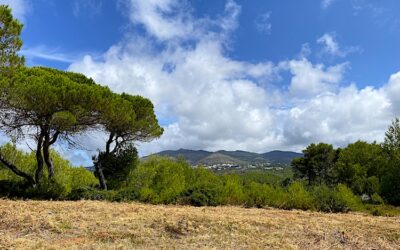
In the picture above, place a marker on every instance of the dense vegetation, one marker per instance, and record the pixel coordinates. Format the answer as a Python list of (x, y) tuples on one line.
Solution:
[(369, 170), (161, 180)]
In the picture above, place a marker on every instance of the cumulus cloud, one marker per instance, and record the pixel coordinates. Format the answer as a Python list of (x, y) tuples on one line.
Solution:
[(339, 118), (310, 80), (19, 8), (207, 100), (393, 91)]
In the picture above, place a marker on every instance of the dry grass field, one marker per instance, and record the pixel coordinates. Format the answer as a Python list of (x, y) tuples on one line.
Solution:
[(105, 225)]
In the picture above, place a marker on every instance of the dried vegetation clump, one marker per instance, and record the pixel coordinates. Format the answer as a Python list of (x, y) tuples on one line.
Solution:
[(105, 225)]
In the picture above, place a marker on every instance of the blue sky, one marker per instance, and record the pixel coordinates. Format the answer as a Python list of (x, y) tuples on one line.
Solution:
[(250, 75), (372, 28)]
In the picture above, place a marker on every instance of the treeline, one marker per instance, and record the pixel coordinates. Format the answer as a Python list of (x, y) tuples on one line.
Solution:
[(161, 180), (370, 170)]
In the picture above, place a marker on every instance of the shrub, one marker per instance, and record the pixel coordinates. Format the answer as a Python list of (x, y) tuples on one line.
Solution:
[(339, 199), (376, 199), (345, 200), (80, 177), (299, 197), (261, 195), (255, 197), (232, 191), (159, 180), (324, 199), (203, 188)]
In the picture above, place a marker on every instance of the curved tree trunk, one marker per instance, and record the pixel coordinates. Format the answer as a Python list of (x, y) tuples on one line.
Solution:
[(48, 141), (39, 158), (46, 155)]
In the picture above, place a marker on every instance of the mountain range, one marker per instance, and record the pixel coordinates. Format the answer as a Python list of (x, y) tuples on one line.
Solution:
[(241, 158)]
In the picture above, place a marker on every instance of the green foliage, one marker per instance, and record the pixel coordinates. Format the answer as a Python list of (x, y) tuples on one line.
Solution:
[(299, 197), (345, 200), (324, 199), (390, 184), (359, 166), (126, 119), (232, 190), (338, 199), (376, 199), (65, 179), (10, 41), (392, 137), (80, 178), (116, 167), (26, 162), (316, 166), (203, 188), (261, 195), (261, 177), (159, 180)]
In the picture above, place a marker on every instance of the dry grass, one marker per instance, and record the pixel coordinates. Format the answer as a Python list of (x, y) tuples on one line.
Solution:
[(104, 225)]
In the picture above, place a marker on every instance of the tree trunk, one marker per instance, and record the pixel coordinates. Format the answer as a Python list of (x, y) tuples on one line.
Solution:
[(46, 155), (39, 158), (102, 179), (100, 158), (18, 172)]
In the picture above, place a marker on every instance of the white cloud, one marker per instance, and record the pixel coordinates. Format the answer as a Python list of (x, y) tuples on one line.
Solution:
[(331, 46), (310, 80), (326, 3), (19, 8), (210, 101), (393, 92), (338, 118)]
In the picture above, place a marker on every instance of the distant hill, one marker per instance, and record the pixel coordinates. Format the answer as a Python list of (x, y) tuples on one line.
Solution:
[(281, 156), (242, 158)]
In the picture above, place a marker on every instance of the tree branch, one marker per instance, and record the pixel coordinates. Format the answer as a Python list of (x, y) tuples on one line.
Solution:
[(16, 171)]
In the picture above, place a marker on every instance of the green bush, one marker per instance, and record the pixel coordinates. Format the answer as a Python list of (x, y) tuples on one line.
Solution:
[(390, 185), (66, 177), (324, 199), (376, 199), (81, 177), (261, 195), (345, 200), (159, 180), (339, 199), (203, 188), (232, 190), (299, 197), (255, 197)]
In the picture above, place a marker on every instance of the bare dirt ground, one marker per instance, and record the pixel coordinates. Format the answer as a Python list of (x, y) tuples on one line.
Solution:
[(105, 225)]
